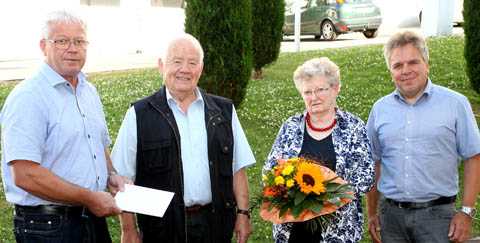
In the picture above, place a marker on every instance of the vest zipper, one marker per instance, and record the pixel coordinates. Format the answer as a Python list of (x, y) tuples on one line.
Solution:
[(179, 168)]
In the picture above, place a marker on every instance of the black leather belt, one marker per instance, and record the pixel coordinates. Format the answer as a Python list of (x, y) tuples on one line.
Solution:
[(197, 208), (67, 211), (416, 205)]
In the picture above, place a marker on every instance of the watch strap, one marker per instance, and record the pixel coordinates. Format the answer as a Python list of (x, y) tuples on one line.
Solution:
[(244, 212)]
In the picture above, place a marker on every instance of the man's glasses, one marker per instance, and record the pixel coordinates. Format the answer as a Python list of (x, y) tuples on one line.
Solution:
[(65, 43), (317, 92)]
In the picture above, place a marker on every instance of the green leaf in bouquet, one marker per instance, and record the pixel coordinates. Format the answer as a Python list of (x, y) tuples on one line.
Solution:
[(322, 197), (316, 207), (345, 195), (297, 210), (333, 187), (308, 203), (344, 188), (291, 193), (283, 210), (336, 201), (299, 197)]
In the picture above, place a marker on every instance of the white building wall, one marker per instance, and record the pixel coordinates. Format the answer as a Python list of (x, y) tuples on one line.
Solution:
[(405, 13), (132, 27)]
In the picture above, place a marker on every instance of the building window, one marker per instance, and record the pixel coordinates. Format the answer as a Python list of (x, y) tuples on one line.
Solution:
[(167, 3), (100, 2)]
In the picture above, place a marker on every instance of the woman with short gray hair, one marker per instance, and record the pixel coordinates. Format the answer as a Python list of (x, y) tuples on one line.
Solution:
[(336, 139)]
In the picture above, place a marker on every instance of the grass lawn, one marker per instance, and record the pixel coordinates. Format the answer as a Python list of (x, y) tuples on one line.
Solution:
[(270, 101)]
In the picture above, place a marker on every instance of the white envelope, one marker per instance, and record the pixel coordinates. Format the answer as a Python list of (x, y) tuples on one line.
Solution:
[(137, 199)]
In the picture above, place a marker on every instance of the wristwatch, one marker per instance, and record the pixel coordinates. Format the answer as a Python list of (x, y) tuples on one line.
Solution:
[(244, 212), (469, 211)]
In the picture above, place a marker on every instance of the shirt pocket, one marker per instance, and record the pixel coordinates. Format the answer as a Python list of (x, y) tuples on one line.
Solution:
[(156, 156)]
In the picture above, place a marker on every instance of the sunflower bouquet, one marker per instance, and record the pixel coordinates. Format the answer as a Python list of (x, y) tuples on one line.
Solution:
[(299, 189)]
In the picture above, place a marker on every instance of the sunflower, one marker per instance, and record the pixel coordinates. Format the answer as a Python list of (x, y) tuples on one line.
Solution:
[(310, 178)]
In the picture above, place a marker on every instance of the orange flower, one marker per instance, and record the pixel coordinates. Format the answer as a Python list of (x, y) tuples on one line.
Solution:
[(270, 191)]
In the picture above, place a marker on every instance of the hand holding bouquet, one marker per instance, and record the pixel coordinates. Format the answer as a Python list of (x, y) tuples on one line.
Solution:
[(298, 189)]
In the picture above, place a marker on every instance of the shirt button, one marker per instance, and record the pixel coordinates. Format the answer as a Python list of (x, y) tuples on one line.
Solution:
[(406, 139), (406, 157)]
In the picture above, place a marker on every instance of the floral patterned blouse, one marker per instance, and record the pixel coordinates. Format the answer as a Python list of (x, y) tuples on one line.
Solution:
[(354, 164)]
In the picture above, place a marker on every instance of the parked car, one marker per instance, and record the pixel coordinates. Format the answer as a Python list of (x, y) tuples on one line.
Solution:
[(329, 18)]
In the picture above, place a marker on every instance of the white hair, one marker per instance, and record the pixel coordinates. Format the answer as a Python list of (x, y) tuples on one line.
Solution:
[(316, 67), (183, 36), (60, 16)]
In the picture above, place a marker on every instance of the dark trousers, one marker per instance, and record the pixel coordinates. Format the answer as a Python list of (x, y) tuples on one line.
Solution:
[(301, 233), (59, 224), (422, 225), (199, 228)]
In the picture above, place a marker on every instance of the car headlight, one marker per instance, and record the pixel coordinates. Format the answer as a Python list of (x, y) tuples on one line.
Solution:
[(332, 14)]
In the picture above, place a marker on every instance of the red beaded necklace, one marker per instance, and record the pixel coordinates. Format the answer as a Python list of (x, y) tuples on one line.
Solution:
[(319, 129)]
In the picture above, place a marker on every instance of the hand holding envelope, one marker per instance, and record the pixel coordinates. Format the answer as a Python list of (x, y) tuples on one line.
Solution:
[(137, 199)]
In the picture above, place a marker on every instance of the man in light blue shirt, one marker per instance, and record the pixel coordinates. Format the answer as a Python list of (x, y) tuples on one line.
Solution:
[(419, 133), (184, 140), (55, 158)]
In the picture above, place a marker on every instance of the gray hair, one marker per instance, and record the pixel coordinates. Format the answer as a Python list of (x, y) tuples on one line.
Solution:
[(402, 39), (60, 16), (316, 67), (188, 37)]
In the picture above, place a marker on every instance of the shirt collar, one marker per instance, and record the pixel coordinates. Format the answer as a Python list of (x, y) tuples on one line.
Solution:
[(54, 79), (427, 92), (172, 100)]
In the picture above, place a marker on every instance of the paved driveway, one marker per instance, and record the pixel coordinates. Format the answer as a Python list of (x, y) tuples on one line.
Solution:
[(18, 69)]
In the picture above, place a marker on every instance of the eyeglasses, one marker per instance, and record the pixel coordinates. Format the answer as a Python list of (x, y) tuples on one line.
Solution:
[(316, 92), (65, 43)]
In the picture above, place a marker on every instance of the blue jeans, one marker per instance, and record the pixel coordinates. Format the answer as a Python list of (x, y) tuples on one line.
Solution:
[(33, 226), (423, 225)]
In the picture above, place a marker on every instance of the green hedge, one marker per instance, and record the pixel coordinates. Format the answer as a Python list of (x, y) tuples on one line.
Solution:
[(268, 18), (224, 30), (471, 16)]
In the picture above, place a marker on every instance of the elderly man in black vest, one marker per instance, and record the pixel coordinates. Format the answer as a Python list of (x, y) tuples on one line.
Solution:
[(184, 140)]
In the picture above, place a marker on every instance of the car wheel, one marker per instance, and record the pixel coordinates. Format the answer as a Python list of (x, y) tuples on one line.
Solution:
[(317, 37), (328, 30), (370, 33)]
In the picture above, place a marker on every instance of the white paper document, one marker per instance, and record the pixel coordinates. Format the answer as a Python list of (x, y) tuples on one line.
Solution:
[(137, 199)]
